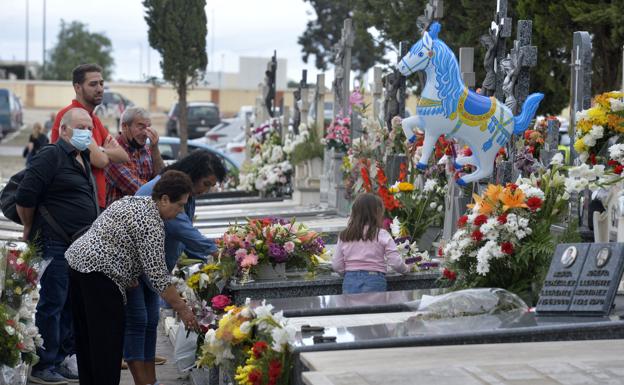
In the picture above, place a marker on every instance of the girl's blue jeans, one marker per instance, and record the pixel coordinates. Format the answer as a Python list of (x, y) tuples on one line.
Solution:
[(363, 282), (142, 312)]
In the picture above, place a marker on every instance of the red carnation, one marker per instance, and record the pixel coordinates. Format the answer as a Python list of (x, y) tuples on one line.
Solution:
[(440, 251), (512, 186), (618, 169), (502, 219), (592, 158), (461, 222), (481, 219), (448, 274), (507, 248), (467, 151), (259, 348), (534, 203), (275, 370), (20, 346), (477, 235), (255, 377), (612, 163)]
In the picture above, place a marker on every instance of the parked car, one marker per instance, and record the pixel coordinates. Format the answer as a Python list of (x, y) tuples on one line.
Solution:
[(170, 151), (113, 105), (11, 114), (200, 116), (220, 135)]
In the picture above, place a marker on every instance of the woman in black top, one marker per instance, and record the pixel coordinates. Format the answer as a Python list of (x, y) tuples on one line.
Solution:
[(36, 140)]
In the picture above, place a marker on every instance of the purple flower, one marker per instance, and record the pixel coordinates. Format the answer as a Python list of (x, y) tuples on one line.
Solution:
[(278, 253)]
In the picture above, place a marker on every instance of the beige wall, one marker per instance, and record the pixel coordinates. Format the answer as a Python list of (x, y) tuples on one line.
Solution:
[(57, 94)]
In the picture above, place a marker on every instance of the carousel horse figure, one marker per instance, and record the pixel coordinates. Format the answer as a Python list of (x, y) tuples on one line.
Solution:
[(448, 107)]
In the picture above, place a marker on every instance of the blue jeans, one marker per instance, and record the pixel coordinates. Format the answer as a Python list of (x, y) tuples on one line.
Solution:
[(54, 315), (142, 312), (363, 282)]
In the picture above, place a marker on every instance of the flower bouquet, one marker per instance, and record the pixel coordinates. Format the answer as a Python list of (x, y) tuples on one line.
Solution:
[(417, 260), (597, 125), (21, 275), (243, 248), (505, 240), (254, 344), (338, 134)]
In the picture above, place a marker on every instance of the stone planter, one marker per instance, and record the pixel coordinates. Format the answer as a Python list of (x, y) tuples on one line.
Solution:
[(270, 271), (308, 174)]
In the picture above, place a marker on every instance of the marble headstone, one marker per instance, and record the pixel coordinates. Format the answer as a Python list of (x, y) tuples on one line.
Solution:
[(582, 280)]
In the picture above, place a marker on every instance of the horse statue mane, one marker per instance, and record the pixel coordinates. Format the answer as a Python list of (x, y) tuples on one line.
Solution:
[(448, 107)]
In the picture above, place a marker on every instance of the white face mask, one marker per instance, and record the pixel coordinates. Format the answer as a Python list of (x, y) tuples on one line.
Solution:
[(81, 138)]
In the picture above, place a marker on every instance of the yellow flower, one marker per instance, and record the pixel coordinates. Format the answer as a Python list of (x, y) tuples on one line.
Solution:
[(512, 199), (598, 116), (210, 267), (242, 374), (18, 290), (406, 186), (393, 190), (193, 281), (580, 146), (584, 126), (493, 192)]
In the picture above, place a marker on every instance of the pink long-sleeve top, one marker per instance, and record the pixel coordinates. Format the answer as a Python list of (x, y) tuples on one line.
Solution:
[(368, 255)]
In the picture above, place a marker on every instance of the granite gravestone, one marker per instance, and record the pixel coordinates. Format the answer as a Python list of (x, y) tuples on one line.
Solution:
[(582, 279)]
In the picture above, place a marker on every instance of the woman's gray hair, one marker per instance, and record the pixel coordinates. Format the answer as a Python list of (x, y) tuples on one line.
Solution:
[(131, 113)]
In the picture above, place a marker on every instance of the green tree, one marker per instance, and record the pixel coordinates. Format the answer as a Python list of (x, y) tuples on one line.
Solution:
[(76, 45), (326, 30), (554, 23), (177, 30)]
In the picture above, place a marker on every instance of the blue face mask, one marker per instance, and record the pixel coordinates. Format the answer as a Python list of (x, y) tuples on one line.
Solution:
[(81, 139)]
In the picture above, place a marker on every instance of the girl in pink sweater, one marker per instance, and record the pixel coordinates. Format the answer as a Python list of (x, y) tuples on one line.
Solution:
[(365, 249)]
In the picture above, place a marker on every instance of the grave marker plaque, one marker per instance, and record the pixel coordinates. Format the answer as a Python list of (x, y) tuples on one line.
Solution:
[(562, 278), (582, 279), (599, 279)]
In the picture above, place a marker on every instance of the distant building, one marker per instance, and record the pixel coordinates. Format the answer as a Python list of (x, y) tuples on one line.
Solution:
[(249, 76), (15, 70)]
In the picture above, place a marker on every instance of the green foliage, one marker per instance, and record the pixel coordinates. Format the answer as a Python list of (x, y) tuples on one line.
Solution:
[(325, 31), (76, 45), (309, 149), (177, 30)]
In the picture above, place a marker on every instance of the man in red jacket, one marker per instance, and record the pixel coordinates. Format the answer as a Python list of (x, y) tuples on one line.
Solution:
[(89, 87)]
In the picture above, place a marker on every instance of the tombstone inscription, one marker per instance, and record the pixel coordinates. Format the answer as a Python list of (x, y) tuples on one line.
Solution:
[(582, 279)]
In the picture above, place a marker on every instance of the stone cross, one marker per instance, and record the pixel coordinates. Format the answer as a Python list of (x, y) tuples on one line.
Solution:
[(342, 72), (551, 144), (581, 72), (580, 99), (320, 105), (433, 10), (299, 97), (269, 79), (501, 27), (527, 58), (466, 66), (377, 93)]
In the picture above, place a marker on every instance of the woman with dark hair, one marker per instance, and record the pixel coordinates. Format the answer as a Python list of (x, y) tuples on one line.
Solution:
[(125, 241), (142, 311)]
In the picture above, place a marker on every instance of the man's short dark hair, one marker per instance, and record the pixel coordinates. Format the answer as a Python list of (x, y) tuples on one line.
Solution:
[(173, 184), (79, 73), (200, 164)]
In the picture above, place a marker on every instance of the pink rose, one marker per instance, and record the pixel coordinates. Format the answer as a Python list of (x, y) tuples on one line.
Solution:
[(240, 254), (289, 247), (219, 302), (249, 260)]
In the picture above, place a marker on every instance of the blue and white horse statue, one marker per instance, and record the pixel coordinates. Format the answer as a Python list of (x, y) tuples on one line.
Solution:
[(448, 107)]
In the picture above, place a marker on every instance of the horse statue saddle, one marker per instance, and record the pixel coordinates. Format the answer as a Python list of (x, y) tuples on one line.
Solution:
[(474, 109)]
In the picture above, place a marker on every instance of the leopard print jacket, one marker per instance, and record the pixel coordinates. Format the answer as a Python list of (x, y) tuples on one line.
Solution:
[(126, 240)]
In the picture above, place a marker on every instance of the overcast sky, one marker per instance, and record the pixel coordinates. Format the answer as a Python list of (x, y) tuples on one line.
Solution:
[(240, 28)]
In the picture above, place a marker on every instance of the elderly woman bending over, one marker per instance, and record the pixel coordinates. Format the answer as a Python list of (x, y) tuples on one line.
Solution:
[(124, 241)]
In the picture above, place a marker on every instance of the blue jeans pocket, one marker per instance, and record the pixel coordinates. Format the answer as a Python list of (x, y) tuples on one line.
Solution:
[(363, 282)]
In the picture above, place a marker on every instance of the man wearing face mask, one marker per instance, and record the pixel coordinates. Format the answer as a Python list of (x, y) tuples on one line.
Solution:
[(60, 180), (104, 149), (145, 161)]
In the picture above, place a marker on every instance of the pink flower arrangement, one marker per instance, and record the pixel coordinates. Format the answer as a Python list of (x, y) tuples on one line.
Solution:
[(338, 134), (268, 240)]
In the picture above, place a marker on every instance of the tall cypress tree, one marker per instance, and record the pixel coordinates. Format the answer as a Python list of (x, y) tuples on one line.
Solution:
[(177, 30)]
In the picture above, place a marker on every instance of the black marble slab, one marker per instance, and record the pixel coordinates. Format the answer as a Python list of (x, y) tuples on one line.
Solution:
[(583, 279), (321, 285), (383, 302)]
